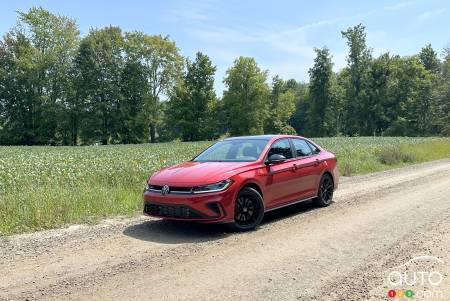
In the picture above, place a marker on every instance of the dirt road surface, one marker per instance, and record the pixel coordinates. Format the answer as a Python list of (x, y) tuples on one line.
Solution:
[(342, 252)]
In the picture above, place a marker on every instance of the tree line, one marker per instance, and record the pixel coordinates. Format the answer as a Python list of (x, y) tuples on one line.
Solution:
[(110, 86)]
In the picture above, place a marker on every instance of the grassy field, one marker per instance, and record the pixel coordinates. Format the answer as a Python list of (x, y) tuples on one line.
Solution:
[(47, 187)]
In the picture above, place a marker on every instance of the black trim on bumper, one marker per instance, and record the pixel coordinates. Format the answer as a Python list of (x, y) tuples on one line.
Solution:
[(172, 211)]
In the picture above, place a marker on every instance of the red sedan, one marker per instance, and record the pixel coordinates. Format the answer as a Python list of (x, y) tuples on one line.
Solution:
[(238, 179)]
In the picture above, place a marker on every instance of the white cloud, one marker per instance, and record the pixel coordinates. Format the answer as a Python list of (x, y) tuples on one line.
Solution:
[(289, 41), (430, 14), (398, 6), (192, 11), (286, 50)]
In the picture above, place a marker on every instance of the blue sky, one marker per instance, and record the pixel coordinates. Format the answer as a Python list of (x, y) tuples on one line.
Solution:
[(281, 35)]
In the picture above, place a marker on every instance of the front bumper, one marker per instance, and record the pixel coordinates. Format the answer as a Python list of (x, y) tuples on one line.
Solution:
[(206, 207)]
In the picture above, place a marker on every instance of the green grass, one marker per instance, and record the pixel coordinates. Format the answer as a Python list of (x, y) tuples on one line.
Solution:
[(47, 187)]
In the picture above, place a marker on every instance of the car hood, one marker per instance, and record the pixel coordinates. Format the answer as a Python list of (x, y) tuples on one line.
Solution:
[(198, 173)]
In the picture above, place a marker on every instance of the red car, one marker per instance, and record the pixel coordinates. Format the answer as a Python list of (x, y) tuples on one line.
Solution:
[(238, 179)]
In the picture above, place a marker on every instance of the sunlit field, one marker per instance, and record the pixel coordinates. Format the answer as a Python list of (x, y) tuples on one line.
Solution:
[(47, 187)]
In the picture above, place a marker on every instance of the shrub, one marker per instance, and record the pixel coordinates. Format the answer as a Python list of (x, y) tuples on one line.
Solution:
[(391, 156)]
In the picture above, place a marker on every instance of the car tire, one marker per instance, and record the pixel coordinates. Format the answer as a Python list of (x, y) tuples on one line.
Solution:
[(248, 210), (325, 191)]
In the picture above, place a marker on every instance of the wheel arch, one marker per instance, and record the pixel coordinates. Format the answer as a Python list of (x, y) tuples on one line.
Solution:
[(320, 179), (329, 173), (254, 186)]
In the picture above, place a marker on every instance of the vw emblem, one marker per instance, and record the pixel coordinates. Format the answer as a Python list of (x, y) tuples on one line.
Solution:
[(165, 190)]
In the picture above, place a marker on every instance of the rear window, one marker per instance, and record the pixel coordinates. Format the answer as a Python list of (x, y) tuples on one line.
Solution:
[(314, 148), (301, 148)]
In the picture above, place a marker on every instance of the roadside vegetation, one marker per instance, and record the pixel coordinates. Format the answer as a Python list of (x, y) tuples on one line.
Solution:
[(118, 87), (46, 187)]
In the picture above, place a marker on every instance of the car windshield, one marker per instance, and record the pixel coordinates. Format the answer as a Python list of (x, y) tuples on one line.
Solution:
[(236, 150)]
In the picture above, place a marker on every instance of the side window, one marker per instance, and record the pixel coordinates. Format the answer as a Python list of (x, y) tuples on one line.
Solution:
[(314, 148), (301, 148), (281, 147)]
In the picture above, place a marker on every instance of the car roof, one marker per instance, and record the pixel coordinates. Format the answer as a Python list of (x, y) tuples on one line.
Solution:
[(261, 137)]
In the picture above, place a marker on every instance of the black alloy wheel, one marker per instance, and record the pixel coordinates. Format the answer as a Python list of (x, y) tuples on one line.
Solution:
[(248, 210), (325, 193)]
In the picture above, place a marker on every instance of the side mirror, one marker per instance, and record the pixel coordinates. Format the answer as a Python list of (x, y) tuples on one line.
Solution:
[(276, 158)]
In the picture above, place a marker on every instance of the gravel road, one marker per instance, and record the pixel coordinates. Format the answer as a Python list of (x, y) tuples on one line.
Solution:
[(342, 252)]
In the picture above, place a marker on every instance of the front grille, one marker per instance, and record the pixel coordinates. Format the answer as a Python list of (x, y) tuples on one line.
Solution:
[(175, 211), (173, 189)]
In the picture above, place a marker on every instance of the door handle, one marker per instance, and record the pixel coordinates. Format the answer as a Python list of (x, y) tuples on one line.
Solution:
[(316, 162), (294, 167)]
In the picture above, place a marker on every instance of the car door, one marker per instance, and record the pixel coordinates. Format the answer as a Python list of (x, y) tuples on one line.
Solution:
[(280, 181), (307, 168)]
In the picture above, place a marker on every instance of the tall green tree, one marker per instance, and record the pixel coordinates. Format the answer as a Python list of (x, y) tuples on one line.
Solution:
[(162, 64), (358, 61), (19, 100), (192, 109), (335, 112), (281, 107), (100, 62), (75, 105), (320, 90), (431, 91), (442, 106), (56, 39), (299, 119), (43, 45), (410, 89), (380, 107), (429, 59), (132, 125), (246, 97)]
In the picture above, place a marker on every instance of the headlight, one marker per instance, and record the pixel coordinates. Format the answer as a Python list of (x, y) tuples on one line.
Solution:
[(219, 186)]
